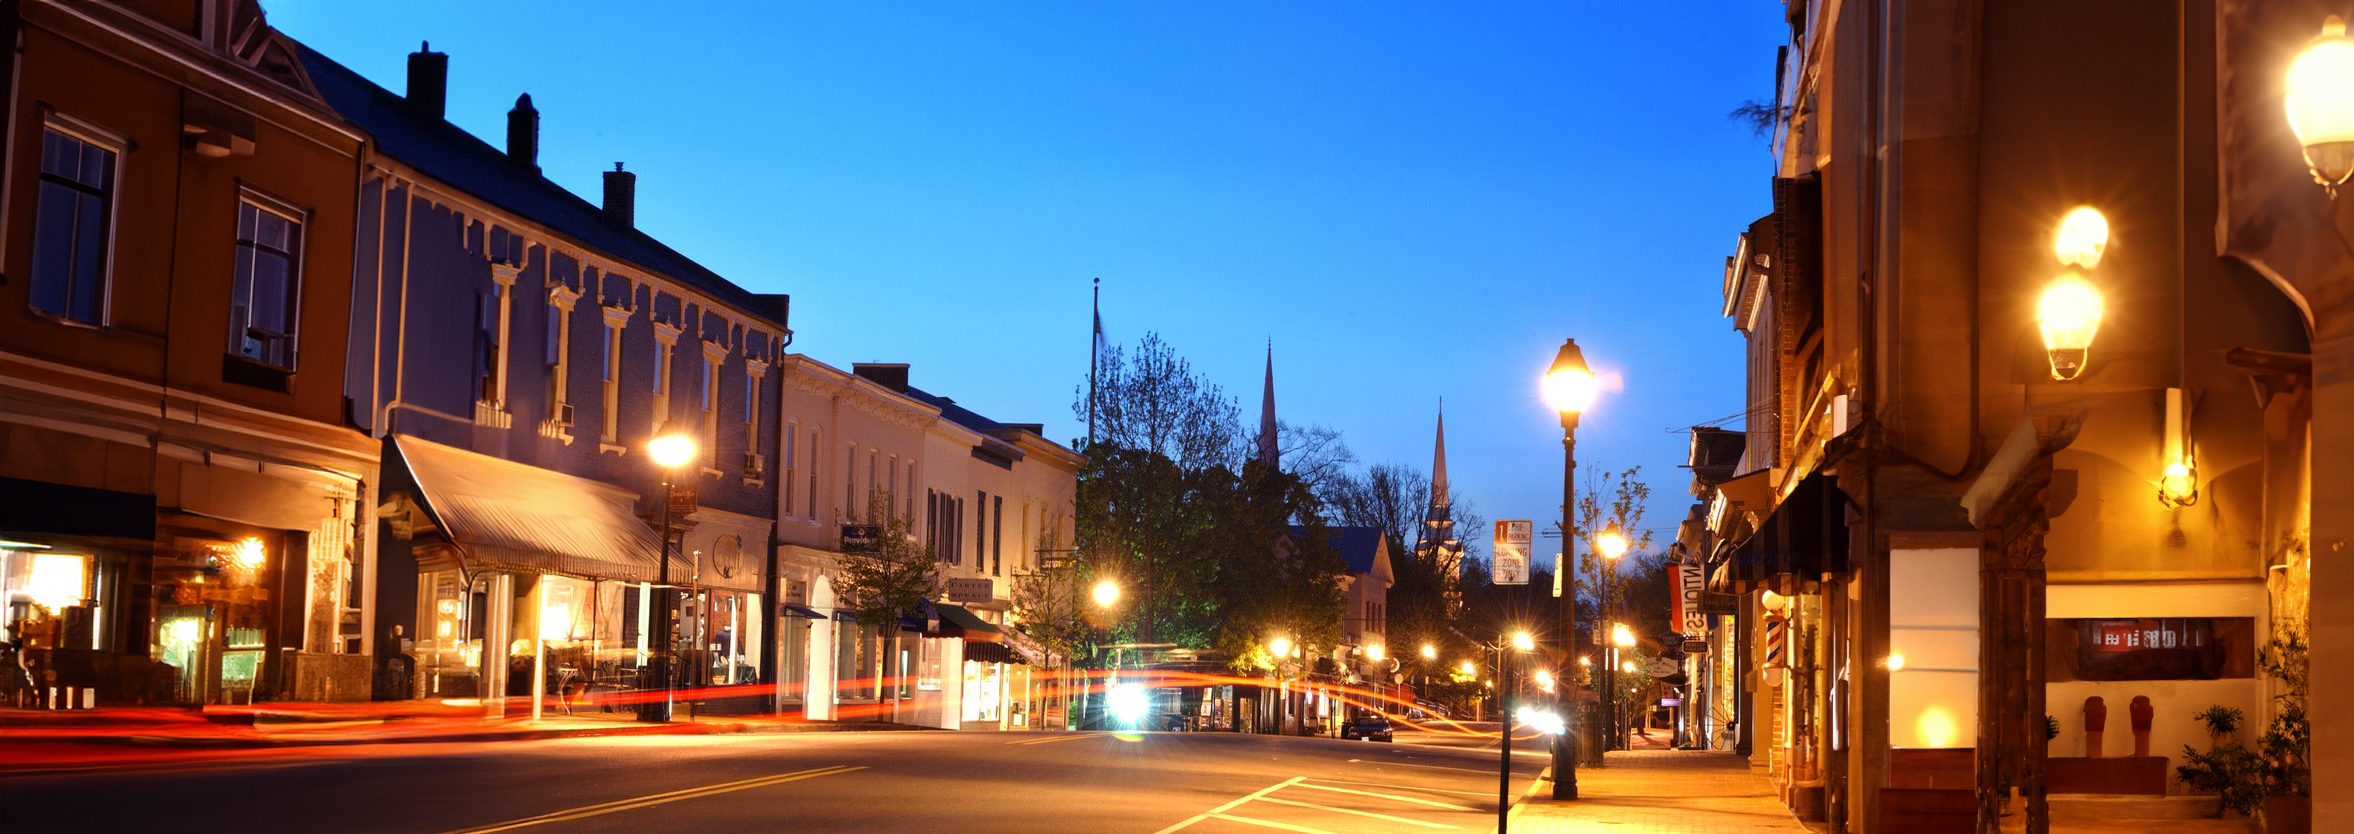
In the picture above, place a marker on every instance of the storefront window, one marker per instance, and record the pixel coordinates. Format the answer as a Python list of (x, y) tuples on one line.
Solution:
[(981, 688), (37, 587), (449, 639)]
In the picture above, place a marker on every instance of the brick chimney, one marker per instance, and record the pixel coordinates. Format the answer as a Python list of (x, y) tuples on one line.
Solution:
[(621, 196), (429, 80), (523, 132), (892, 375)]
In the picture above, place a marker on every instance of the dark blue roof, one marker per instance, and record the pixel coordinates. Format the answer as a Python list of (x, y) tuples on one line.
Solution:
[(1357, 545), (453, 156)]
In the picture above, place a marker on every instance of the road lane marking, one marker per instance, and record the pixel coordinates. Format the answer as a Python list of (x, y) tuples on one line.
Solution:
[(1421, 789), (1056, 738), (1271, 824), (652, 800), (1221, 810), (1431, 767), (1533, 784), (1406, 820), (1416, 800)]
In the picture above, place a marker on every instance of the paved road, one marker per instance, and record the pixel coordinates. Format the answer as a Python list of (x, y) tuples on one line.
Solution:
[(1201, 783)]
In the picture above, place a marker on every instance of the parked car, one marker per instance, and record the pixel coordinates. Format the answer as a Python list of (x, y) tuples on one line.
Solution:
[(1370, 726)]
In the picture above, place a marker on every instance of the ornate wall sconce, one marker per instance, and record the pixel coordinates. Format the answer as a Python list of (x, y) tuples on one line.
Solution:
[(2321, 104), (2179, 486)]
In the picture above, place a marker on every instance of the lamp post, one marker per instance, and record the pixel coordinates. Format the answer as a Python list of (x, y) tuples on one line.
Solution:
[(1610, 545), (670, 450), (1518, 642), (2318, 104), (1569, 387)]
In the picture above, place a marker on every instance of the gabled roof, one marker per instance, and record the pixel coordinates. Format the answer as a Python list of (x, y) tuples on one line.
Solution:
[(1359, 547), (466, 163)]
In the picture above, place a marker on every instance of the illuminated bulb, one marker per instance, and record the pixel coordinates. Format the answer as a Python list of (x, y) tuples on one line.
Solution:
[(2069, 315), (672, 449), (1521, 641), (2082, 236), (1610, 544), (1568, 385), (1585, 661), (2180, 486), (1106, 592), (1468, 669), (1628, 667), (1895, 663), (1430, 652), (1374, 651), (1544, 680), (2321, 103), (1621, 637), (1279, 647)]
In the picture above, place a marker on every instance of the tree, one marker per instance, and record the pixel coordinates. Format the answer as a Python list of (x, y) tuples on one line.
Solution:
[(1610, 501), (890, 578)]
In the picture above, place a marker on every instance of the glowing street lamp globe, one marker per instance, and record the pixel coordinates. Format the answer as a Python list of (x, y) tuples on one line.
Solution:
[(1610, 544), (1569, 385), (1430, 652), (1374, 652), (1279, 647), (672, 449), (2069, 314), (1522, 642), (1106, 593)]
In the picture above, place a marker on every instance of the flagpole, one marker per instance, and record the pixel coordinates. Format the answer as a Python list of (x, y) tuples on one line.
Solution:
[(1094, 350)]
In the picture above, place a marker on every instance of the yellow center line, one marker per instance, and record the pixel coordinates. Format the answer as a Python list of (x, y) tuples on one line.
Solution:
[(1418, 801), (1406, 820), (661, 799), (1533, 785), (1053, 739)]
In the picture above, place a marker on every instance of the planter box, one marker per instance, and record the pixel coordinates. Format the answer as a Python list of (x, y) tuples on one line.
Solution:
[(2130, 775), (2288, 815)]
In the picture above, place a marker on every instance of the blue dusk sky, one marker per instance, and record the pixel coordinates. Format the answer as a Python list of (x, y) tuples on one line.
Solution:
[(1411, 200)]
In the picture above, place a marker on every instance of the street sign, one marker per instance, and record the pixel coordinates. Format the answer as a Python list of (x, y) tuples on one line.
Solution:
[(682, 501), (963, 590), (1695, 647), (1662, 667), (1690, 583), (1510, 563)]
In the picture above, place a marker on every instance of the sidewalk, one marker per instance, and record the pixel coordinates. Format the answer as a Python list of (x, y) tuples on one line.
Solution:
[(1659, 791)]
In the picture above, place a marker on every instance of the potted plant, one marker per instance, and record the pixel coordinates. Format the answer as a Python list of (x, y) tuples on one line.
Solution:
[(2228, 769), (2288, 804), (2051, 730)]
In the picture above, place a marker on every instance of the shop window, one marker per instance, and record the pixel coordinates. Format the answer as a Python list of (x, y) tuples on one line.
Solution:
[(2169, 648)]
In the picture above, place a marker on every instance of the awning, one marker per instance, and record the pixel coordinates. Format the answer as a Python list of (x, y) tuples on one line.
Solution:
[(1804, 538), (1028, 648), (503, 515), (958, 621), (787, 609), (989, 653), (58, 509)]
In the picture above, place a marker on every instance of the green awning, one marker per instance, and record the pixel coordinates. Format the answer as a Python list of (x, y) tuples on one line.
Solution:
[(957, 618)]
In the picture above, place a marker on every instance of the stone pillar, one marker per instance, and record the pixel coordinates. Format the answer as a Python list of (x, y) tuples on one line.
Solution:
[(498, 630), (2011, 649), (2332, 657)]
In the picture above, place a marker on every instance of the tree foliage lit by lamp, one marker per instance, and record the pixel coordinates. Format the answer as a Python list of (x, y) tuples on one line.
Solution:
[(2069, 313), (2320, 99)]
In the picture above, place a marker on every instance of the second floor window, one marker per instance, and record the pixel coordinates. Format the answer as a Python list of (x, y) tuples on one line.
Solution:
[(263, 303), (71, 228)]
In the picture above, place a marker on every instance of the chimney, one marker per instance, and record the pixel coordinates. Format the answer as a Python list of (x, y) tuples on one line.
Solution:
[(429, 80), (892, 375), (523, 132), (621, 196)]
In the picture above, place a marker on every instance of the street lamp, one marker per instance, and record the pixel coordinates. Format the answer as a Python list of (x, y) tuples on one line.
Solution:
[(1106, 593), (1280, 647), (670, 449), (1518, 641), (2321, 104), (1374, 652), (2069, 313), (1430, 652), (1569, 387)]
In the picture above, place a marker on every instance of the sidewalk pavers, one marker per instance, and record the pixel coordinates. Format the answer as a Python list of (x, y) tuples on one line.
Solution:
[(1660, 791)]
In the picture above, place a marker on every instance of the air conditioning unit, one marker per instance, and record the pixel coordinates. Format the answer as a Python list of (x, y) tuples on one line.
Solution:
[(754, 464), (564, 415)]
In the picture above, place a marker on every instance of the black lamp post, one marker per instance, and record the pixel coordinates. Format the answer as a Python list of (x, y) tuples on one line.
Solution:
[(670, 450), (1569, 386)]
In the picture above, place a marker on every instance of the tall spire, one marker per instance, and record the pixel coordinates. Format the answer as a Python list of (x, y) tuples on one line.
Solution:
[(1267, 454), (1438, 463)]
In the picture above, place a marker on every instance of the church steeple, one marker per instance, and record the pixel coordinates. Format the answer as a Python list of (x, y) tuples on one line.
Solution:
[(1267, 452), (1435, 544)]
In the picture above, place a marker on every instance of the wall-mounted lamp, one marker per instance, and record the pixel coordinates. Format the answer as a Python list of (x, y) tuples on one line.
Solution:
[(2069, 314), (2179, 486), (2321, 104)]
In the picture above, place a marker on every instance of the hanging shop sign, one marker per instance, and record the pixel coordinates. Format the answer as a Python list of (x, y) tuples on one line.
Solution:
[(1510, 565), (1684, 608)]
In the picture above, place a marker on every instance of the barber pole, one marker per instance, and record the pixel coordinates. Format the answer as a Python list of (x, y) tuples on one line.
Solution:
[(1776, 628)]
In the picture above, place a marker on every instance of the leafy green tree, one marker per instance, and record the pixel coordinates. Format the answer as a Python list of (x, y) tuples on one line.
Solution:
[(891, 578)]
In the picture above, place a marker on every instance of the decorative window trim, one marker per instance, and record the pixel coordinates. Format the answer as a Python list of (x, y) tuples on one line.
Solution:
[(120, 145), (299, 249)]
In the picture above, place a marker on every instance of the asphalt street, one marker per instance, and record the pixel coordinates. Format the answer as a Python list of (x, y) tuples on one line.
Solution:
[(900, 781)]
